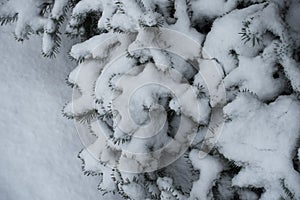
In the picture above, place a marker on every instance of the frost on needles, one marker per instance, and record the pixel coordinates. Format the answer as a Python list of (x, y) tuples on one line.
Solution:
[(255, 44)]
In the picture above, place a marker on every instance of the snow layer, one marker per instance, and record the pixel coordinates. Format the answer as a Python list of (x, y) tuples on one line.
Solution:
[(227, 30), (209, 171), (261, 138), (38, 146)]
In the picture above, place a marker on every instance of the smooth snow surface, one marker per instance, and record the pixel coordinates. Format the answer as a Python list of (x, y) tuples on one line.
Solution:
[(38, 146)]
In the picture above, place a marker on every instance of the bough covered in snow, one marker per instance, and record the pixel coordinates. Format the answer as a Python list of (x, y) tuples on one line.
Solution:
[(143, 99)]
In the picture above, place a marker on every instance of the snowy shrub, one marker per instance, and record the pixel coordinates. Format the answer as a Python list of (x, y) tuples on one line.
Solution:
[(150, 85)]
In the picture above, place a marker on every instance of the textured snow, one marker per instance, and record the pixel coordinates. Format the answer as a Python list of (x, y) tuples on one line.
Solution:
[(38, 146), (261, 138), (210, 169), (261, 127), (212, 8), (30, 20), (226, 29), (257, 78)]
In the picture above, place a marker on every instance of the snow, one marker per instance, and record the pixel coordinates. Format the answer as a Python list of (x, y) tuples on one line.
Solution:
[(212, 8), (38, 146), (265, 136), (80, 10), (258, 77), (140, 116), (89, 71), (58, 8), (293, 15), (210, 169), (224, 37)]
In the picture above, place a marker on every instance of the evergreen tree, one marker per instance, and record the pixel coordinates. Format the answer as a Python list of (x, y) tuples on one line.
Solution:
[(141, 91)]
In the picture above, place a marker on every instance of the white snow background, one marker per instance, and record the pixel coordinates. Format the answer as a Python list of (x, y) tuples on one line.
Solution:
[(38, 145)]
